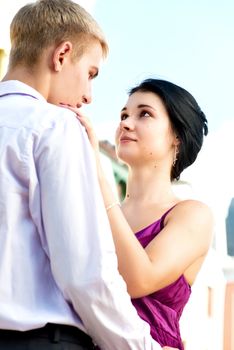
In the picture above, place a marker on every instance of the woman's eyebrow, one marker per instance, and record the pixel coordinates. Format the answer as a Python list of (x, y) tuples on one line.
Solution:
[(145, 105), (139, 106)]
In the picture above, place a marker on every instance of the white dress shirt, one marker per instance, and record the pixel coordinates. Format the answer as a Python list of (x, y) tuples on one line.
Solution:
[(57, 257)]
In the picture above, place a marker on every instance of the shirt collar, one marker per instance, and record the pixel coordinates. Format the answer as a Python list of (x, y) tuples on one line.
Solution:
[(18, 87)]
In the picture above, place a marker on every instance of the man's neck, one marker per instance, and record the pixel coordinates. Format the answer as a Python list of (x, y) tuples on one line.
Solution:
[(35, 79)]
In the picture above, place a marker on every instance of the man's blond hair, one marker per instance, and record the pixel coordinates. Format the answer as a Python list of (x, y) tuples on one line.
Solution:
[(37, 26)]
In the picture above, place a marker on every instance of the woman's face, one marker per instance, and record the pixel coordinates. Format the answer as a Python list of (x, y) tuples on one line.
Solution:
[(145, 135)]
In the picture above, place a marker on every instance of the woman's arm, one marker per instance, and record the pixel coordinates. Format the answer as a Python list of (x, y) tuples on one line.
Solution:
[(185, 238)]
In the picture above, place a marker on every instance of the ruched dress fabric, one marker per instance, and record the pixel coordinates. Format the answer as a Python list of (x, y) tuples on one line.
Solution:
[(162, 309)]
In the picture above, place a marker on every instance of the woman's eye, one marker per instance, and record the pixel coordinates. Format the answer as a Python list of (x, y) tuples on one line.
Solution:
[(144, 114), (123, 116)]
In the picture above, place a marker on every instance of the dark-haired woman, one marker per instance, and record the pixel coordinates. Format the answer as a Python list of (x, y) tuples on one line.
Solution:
[(161, 241)]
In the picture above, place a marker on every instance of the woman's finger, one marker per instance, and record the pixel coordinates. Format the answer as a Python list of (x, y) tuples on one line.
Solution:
[(87, 125), (80, 115)]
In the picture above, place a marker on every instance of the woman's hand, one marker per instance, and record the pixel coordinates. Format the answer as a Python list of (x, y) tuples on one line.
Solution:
[(92, 138), (88, 127)]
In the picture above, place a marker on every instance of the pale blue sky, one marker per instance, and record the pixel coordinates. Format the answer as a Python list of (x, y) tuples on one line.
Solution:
[(188, 42)]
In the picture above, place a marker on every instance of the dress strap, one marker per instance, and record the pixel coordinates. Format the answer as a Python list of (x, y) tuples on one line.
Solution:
[(164, 216)]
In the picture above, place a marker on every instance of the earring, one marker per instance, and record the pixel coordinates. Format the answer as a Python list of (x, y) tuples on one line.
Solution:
[(175, 156)]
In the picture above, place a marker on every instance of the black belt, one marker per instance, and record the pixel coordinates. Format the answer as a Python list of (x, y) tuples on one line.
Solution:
[(54, 332)]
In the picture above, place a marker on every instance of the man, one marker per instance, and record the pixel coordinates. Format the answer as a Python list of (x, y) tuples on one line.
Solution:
[(58, 272)]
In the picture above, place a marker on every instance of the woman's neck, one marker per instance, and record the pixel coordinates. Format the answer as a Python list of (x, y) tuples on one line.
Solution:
[(147, 187)]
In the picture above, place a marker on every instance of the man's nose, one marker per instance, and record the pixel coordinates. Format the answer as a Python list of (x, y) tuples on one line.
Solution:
[(87, 98)]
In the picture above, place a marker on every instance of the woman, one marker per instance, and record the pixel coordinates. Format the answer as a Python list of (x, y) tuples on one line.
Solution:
[(161, 241)]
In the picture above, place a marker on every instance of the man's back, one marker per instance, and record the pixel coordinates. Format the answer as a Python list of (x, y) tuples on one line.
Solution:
[(58, 261), (30, 295)]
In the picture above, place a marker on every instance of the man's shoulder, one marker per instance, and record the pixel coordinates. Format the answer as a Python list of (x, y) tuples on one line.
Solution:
[(24, 107), (40, 116), (49, 115)]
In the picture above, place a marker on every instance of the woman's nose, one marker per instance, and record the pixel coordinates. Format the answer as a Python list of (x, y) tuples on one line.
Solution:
[(126, 127), (127, 124)]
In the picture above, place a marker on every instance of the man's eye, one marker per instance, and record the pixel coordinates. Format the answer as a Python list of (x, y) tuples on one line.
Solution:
[(123, 116)]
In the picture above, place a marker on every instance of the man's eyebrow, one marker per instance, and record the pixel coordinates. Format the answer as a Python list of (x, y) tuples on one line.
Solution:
[(123, 109)]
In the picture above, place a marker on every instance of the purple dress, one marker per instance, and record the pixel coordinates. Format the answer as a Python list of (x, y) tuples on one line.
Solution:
[(162, 309)]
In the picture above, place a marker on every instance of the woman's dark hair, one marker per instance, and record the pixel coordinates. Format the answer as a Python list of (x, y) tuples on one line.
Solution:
[(187, 119)]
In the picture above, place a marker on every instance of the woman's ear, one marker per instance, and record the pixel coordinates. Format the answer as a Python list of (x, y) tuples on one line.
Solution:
[(60, 54), (176, 140)]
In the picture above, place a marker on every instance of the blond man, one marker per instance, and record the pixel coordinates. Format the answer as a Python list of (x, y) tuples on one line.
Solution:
[(59, 282)]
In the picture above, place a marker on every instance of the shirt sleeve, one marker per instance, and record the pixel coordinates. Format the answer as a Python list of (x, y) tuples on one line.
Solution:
[(79, 240)]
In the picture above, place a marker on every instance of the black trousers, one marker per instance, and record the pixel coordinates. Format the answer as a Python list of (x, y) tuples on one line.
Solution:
[(50, 337)]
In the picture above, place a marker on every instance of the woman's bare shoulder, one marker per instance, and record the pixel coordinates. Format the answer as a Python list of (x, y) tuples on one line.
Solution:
[(192, 205), (192, 210)]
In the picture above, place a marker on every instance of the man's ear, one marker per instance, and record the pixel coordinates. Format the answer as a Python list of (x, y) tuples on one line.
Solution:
[(61, 53)]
